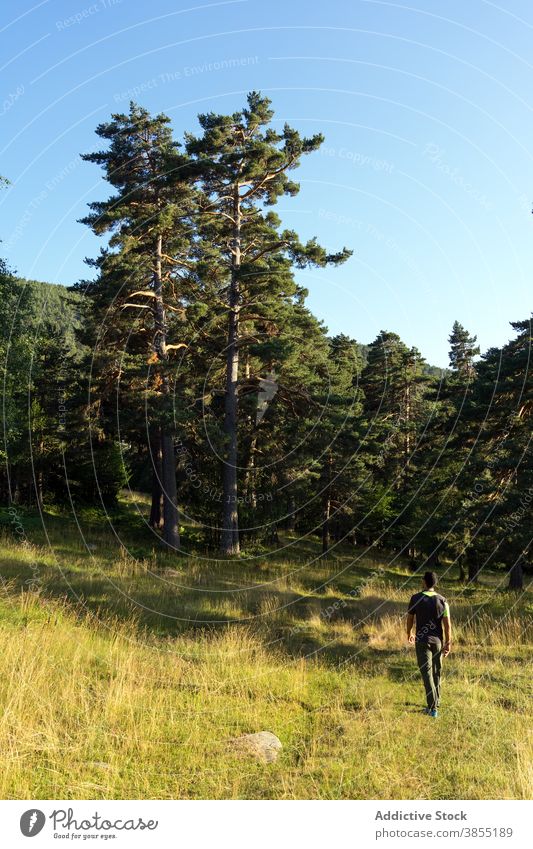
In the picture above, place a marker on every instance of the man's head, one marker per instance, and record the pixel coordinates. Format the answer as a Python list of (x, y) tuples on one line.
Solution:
[(430, 580)]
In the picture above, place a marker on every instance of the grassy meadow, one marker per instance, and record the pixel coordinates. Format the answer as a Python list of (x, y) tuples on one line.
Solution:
[(124, 671)]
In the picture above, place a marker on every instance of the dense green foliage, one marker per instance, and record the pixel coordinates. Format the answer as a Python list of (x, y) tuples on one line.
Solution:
[(190, 368)]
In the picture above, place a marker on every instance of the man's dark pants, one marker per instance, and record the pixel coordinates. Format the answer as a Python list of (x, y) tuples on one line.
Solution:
[(429, 657)]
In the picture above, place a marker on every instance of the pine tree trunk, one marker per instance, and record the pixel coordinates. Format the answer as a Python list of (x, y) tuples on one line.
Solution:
[(473, 571), (39, 488), (432, 560), (168, 459), (157, 477), (516, 577), (230, 518), (271, 537), (171, 533), (249, 482), (291, 521), (326, 509), (16, 488), (325, 524), (407, 447)]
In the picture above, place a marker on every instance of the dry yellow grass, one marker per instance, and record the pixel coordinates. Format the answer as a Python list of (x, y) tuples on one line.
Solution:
[(100, 698)]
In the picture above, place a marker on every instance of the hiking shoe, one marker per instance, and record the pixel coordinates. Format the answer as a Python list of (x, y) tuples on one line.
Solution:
[(434, 713)]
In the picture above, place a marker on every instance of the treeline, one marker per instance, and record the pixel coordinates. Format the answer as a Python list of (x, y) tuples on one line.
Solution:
[(190, 368)]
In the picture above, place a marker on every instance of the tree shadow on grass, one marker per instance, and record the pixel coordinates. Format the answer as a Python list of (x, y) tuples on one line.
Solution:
[(299, 624)]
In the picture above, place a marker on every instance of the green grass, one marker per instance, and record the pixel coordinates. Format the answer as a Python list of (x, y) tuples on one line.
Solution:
[(123, 676)]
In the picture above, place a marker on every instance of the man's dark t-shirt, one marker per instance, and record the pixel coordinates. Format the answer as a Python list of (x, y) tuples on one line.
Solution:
[(429, 608)]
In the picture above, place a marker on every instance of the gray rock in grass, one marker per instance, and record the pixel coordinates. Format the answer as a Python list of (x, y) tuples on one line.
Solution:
[(263, 745)]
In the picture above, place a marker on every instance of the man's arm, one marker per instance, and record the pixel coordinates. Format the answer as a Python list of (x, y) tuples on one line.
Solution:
[(447, 626), (409, 625)]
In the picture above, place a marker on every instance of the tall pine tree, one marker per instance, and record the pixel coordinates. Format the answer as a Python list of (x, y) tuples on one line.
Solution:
[(245, 164), (141, 279)]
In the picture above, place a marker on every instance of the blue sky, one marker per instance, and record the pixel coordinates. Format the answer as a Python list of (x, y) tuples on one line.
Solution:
[(426, 171)]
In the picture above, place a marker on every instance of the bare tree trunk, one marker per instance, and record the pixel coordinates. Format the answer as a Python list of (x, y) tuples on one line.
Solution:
[(171, 531), (516, 577), (326, 509), (157, 477), (291, 520), (271, 536), (168, 458), (16, 488), (325, 523), (40, 478), (249, 476), (230, 517), (249, 481), (473, 571), (432, 560)]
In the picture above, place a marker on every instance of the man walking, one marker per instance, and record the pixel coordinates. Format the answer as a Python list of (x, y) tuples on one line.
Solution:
[(432, 637)]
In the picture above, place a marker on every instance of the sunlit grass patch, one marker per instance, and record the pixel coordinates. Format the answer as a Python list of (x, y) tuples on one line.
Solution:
[(124, 676)]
